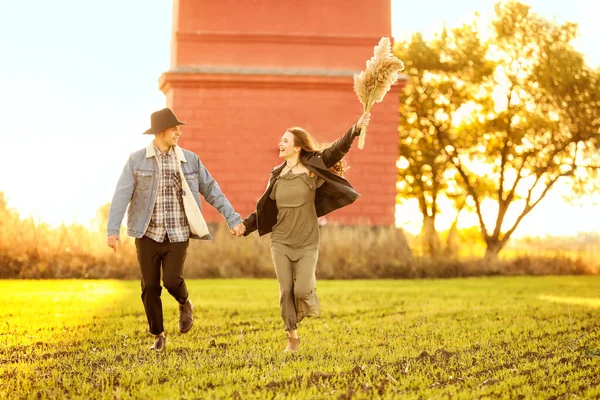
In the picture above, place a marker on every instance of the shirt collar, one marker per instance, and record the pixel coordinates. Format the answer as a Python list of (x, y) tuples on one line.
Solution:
[(151, 152)]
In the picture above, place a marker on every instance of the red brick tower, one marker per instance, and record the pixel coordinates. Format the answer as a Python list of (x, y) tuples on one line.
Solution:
[(242, 72)]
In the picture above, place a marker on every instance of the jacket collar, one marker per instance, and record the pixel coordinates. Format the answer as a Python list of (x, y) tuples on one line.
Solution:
[(178, 152), (277, 169), (306, 159)]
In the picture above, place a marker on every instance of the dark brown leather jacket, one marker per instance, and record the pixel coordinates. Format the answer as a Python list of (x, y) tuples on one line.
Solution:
[(334, 193)]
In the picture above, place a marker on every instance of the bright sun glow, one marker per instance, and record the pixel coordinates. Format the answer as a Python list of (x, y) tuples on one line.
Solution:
[(548, 218), (580, 301)]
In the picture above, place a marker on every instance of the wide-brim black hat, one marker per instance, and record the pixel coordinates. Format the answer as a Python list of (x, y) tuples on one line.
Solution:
[(161, 120)]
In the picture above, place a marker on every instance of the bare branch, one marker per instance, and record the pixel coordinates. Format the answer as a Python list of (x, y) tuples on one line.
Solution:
[(513, 189), (528, 207), (465, 178), (504, 151)]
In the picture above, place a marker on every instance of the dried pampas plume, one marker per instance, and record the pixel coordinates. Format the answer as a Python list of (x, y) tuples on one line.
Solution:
[(375, 81)]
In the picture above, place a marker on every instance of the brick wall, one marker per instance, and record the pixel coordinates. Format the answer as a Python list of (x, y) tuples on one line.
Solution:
[(239, 95)]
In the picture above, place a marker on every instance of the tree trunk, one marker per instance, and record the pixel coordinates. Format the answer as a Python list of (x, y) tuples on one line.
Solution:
[(431, 239), (493, 247), (452, 244)]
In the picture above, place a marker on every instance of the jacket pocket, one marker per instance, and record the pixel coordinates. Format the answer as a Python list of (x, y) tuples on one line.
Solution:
[(192, 180), (142, 180)]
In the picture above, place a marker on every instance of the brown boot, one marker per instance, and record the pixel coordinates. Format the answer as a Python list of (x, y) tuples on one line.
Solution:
[(160, 342), (293, 345), (186, 318)]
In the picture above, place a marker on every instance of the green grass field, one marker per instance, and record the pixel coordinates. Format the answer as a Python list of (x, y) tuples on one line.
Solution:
[(461, 338)]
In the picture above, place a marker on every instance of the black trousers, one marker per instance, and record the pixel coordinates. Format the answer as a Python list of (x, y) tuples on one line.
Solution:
[(152, 256)]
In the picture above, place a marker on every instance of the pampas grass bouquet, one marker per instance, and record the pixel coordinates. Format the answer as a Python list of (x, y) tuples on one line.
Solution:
[(375, 81)]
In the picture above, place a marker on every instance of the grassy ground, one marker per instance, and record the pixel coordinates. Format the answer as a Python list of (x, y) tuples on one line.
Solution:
[(504, 337)]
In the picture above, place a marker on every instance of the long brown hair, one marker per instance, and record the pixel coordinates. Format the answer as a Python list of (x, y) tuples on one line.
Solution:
[(308, 144)]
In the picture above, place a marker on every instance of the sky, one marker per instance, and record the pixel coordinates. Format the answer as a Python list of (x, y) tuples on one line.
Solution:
[(80, 79)]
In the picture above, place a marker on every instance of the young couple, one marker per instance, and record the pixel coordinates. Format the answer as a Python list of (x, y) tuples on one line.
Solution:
[(160, 187)]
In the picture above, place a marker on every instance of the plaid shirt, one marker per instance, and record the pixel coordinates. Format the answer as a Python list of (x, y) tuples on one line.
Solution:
[(168, 215)]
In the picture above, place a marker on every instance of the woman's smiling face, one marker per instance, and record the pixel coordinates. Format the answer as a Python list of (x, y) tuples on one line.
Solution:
[(286, 146)]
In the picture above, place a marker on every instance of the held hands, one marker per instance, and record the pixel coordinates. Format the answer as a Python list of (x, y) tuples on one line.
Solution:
[(363, 120), (112, 241), (238, 230)]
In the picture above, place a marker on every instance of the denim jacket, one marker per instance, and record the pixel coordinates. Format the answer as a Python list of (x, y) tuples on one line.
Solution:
[(138, 185)]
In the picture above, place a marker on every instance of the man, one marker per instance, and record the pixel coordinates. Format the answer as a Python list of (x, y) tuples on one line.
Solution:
[(161, 186)]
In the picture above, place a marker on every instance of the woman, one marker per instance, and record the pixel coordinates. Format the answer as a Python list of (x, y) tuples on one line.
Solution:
[(308, 185)]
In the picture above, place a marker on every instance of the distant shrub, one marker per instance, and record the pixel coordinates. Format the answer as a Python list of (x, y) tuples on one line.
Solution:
[(38, 251)]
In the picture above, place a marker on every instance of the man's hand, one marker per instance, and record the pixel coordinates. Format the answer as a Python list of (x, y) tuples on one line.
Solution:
[(238, 230), (112, 241), (363, 120)]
